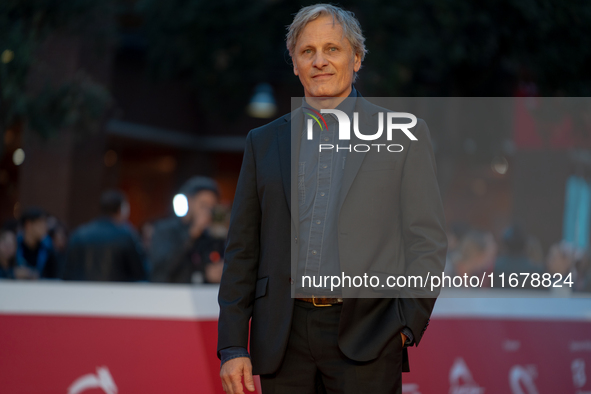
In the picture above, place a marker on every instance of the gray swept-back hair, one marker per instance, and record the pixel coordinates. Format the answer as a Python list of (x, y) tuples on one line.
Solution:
[(346, 19)]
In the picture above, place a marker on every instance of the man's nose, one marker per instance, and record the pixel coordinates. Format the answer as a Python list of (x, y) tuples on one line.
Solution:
[(320, 60)]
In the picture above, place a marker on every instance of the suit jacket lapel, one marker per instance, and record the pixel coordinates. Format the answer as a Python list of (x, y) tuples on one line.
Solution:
[(289, 151)]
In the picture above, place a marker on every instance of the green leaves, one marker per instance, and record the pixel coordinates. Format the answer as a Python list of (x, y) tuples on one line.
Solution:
[(24, 25), (77, 104)]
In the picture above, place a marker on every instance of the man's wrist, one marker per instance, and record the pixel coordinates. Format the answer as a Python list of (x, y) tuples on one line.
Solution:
[(232, 352)]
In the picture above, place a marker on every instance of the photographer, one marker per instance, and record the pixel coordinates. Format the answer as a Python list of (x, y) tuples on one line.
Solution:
[(182, 250)]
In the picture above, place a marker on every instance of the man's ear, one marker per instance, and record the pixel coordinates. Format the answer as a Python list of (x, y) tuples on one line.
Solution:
[(357, 62), (295, 68)]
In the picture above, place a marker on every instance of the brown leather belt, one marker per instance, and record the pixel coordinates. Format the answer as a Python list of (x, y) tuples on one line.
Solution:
[(321, 301)]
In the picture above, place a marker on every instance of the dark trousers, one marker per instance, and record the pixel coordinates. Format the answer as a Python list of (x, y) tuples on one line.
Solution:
[(313, 362)]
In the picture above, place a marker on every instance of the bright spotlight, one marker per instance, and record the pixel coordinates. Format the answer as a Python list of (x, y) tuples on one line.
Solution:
[(18, 157), (500, 165), (180, 205), (262, 104)]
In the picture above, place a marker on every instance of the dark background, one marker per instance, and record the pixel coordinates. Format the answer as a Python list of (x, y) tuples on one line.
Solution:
[(141, 95)]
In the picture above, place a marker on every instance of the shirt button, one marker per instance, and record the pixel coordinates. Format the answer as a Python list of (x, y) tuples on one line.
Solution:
[(313, 252), (325, 138), (322, 194), (324, 166), (318, 222)]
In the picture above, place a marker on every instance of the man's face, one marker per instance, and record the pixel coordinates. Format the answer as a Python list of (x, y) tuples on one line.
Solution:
[(324, 60), (37, 228), (201, 207)]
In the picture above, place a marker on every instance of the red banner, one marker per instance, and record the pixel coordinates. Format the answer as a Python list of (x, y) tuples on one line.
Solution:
[(49, 345)]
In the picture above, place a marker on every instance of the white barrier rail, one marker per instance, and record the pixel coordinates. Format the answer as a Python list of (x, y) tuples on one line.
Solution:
[(163, 301)]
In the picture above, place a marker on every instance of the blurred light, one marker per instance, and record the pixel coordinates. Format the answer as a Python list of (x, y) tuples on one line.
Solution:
[(166, 164), (262, 104), (180, 205), (8, 137), (110, 158), (500, 165), (7, 56), (17, 211), (18, 157)]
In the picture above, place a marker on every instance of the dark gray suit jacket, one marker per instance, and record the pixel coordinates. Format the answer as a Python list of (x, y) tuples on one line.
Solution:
[(389, 205)]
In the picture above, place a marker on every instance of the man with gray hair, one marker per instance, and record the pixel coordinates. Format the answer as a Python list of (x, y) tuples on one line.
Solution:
[(293, 197)]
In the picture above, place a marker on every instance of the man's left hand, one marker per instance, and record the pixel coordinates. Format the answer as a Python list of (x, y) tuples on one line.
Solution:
[(403, 339)]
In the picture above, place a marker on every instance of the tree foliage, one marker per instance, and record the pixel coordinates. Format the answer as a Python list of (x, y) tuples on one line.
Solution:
[(223, 47), (24, 26), (417, 47), (466, 48)]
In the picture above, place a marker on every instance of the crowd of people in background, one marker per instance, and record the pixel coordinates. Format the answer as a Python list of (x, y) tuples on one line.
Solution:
[(173, 250), (474, 252), (189, 249)]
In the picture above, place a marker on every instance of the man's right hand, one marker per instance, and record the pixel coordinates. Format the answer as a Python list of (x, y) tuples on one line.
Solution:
[(232, 372)]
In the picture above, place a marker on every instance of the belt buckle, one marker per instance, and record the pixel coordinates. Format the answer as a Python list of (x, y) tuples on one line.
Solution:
[(315, 304)]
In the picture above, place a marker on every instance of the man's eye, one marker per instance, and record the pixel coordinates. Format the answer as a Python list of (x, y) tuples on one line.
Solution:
[(307, 51), (332, 49)]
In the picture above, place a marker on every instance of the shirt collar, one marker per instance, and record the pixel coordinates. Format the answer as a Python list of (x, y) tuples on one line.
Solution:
[(347, 105)]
